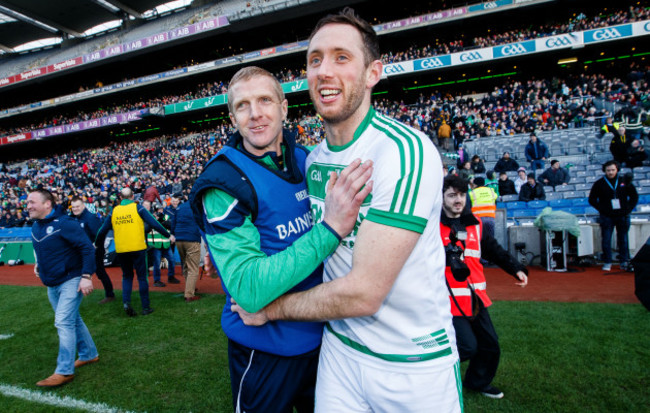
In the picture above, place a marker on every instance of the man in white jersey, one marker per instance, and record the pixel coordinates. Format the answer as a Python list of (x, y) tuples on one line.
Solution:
[(389, 345)]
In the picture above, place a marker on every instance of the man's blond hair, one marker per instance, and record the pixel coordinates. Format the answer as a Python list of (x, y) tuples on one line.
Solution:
[(248, 73)]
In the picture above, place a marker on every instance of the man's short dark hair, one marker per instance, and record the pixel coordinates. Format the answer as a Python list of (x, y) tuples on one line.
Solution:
[(368, 34), (76, 199), (47, 195), (554, 161), (455, 182), (531, 176), (479, 181), (612, 162)]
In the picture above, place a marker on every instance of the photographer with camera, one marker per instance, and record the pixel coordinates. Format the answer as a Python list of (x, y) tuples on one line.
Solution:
[(465, 243)]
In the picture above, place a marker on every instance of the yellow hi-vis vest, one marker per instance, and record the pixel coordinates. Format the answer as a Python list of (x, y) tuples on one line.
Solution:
[(483, 202), (128, 228)]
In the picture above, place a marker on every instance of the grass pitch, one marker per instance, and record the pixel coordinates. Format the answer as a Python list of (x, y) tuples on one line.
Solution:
[(556, 357)]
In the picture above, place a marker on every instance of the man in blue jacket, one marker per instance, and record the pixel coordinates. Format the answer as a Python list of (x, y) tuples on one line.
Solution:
[(91, 224), (64, 262), (188, 242), (536, 152)]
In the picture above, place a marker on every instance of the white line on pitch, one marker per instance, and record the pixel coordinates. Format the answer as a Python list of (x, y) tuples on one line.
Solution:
[(53, 400), (6, 336)]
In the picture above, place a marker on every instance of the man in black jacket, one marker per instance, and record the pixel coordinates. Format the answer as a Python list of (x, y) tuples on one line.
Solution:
[(531, 190), (506, 186), (506, 163), (555, 175), (614, 197), (91, 224)]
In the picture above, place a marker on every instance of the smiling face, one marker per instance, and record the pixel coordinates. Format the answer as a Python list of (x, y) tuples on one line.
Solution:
[(77, 207), (37, 206), (339, 80), (257, 113)]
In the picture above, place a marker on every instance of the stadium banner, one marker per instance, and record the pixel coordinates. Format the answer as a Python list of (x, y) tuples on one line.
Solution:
[(202, 66), (65, 65), (30, 74), (195, 104), (513, 49), (472, 56), (252, 55), (4, 81), (149, 78), (489, 5), (393, 69), (429, 63), (175, 72), (16, 138), (292, 46), (561, 41), (426, 18), (295, 86), (608, 33), (114, 119), (638, 29)]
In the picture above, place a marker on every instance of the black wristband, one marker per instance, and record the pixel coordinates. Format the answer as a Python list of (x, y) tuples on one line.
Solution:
[(87, 277)]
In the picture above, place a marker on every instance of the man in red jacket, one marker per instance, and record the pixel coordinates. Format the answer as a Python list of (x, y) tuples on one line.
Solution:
[(465, 244)]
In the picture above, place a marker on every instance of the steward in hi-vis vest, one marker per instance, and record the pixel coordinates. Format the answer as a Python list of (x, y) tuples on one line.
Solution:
[(465, 243), (127, 221), (483, 202)]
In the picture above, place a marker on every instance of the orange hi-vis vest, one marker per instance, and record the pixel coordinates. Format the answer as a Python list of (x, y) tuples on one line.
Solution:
[(483, 202), (476, 280)]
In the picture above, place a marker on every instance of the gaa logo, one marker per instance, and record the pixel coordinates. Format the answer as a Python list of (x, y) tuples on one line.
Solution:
[(558, 42), (471, 56), (606, 34), (513, 49), (393, 69), (432, 63), (490, 5)]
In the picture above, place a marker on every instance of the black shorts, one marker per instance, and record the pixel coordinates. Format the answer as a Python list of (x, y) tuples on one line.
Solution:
[(267, 383)]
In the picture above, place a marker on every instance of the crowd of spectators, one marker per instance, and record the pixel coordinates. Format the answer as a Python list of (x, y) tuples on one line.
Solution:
[(579, 22)]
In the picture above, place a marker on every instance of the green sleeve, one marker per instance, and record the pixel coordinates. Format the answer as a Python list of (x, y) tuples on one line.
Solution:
[(252, 278)]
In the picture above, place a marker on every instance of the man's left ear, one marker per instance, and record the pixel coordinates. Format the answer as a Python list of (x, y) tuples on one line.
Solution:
[(374, 71)]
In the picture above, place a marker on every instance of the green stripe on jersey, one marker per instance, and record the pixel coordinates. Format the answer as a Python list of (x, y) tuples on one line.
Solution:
[(411, 163), (318, 177), (409, 222), (401, 358)]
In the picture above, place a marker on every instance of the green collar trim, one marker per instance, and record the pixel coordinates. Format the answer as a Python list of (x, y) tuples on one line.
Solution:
[(362, 128)]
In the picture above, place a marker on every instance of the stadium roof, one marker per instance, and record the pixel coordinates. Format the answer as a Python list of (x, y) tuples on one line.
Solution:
[(24, 21)]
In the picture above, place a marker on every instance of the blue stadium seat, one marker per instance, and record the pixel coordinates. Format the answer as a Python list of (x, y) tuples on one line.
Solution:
[(644, 199), (576, 210), (564, 188), (574, 194), (554, 195), (515, 205), (583, 187), (501, 205), (580, 202), (522, 213), (591, 211), (509, 198), (559, 203), (537, 204), (644, 190)]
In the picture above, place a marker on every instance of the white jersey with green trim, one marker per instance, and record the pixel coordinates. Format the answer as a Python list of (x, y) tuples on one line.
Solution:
[(414, 324)]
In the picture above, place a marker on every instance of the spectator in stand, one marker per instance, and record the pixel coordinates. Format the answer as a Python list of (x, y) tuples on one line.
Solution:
[(521, 179), (555, 175), (506, 163), (614, 197), (506, 186), (7, 221), (463, 156), (492, 182), (536, 152), (152, 195), (444, 136), (619, 145), (478, 167), (635, 154), (465, 171), (531, 190)]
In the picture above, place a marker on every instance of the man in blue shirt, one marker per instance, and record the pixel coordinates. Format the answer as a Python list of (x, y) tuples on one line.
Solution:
[(65, 260)]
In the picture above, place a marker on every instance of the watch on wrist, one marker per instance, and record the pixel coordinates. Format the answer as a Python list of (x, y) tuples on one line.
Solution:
[(86, 277)]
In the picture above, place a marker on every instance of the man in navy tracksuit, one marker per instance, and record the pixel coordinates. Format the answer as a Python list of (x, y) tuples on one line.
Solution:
[(90, 224), (64, 262)]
